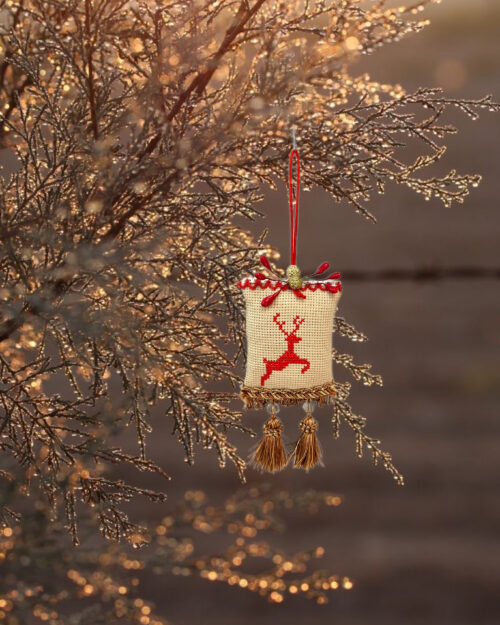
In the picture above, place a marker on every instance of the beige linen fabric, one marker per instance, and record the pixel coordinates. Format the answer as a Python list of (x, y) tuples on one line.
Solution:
[(299, 354)]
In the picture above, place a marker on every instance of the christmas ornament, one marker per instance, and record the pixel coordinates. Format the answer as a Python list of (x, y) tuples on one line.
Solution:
[(289, 325)]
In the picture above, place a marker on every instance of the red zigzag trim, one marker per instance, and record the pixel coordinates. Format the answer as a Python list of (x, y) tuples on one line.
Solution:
[(254, 283)]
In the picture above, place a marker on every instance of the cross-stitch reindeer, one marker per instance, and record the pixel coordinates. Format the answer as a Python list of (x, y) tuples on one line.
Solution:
[(289, 357)]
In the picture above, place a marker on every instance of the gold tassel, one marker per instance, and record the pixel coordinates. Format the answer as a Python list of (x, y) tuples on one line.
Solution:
[(270, 454), (307, 452)]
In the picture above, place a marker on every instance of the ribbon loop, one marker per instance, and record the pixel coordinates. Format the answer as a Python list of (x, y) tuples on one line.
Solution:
[(294, 219)]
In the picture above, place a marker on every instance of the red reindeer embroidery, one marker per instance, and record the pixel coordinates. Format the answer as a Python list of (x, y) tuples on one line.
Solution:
[(289, 357)]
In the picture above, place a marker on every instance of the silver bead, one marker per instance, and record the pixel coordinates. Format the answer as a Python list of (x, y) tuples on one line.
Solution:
[(272, 409)]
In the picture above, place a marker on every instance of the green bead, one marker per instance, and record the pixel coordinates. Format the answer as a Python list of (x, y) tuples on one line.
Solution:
[(294, 279)]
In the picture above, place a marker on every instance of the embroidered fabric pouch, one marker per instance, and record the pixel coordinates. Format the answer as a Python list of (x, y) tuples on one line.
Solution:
[(289, 343)]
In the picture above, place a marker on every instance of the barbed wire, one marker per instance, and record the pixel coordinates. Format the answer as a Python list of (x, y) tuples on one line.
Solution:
[(422, 274)]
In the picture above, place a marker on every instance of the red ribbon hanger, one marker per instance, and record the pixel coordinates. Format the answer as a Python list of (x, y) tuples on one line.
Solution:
[(294, 220), (294, 227)]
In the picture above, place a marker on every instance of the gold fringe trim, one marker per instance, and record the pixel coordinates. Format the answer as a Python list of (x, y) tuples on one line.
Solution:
[(257, 397)]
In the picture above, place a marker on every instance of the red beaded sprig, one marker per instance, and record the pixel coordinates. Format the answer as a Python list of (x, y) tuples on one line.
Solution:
[(284, 286)]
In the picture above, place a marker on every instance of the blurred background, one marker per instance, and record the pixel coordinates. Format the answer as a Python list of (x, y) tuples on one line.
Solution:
[(429, 552)]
